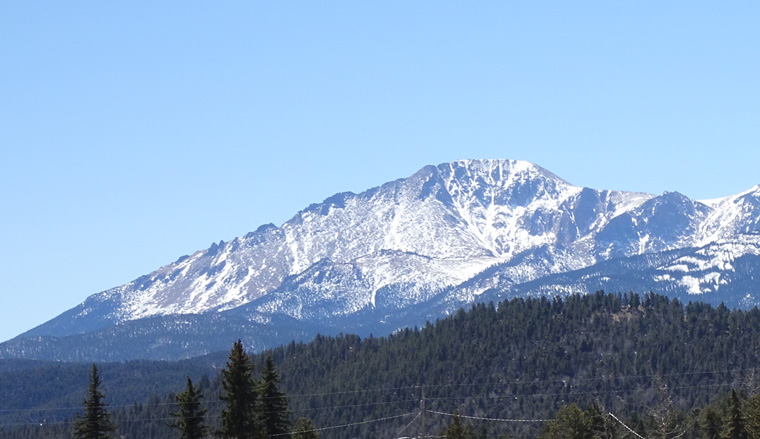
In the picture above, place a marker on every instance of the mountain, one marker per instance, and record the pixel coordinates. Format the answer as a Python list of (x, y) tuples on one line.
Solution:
[(413, 250)]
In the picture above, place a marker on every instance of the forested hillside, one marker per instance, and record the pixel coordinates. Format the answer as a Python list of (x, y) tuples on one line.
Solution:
[(519, 360)]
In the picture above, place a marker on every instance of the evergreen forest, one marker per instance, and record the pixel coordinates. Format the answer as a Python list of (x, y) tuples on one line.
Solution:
[(600, 365)]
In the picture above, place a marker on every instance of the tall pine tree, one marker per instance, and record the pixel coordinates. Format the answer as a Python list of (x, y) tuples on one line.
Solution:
[(240, 394), (95, 423), (273, 404), (734, 425), (190, 415), (752, 417)]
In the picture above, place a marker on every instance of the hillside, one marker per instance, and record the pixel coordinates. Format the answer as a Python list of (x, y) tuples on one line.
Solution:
[(523, 359)]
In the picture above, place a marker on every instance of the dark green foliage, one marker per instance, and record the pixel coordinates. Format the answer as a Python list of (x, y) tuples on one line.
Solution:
[(569, 423), (304, 429), (458, 429), (524, 359), (272, 409), (190, 417), (710, 424), (239, 420), (734, 425), (752, 417), (96, 422), (599, 424), (64, 386)]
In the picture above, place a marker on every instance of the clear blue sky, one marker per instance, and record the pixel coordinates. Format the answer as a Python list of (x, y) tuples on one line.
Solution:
[(135, 132)]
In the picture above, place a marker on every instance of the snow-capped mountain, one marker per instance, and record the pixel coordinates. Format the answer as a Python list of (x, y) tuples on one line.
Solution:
[(417, 248)]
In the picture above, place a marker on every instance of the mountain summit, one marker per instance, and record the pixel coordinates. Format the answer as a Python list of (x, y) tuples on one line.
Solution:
[(414, 249)]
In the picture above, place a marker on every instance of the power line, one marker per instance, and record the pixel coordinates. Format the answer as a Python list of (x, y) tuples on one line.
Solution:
[(348, 425), (206, 404), (345, 392), (501, 396), (570, 393), (431, 386), (627, 427), (489, 419), (525, 382), (409, 424), (40, 411), (353, 405)]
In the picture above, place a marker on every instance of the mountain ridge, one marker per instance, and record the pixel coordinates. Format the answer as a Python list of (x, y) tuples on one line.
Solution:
[(387, 252)]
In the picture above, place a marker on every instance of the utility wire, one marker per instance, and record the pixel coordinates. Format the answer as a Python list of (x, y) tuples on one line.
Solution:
[(505, 396), (409, 424), (525, 382), (348, 425), (430, 386), (489, 419), (627, 427)]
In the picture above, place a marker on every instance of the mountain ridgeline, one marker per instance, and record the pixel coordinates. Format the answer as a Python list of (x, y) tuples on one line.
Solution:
[(639, 357), (414, 250)]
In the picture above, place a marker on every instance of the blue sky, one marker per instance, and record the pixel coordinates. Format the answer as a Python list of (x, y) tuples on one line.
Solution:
[(132, 133)]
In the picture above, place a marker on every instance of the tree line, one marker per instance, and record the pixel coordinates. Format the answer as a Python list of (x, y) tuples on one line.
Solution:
[(524, 358), (255, 409), (730, 416)]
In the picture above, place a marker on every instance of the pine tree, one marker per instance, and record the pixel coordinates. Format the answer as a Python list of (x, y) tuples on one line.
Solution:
[(190, 415), (710, 424), (752, 417), (95, 423), (597, 423), (734, 426), (304, 429), (239, 392), (273, 412), (569, 423), (458, 429)]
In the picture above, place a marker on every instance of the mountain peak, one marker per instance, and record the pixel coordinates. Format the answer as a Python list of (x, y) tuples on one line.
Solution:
[(503, 167), (362, 259)]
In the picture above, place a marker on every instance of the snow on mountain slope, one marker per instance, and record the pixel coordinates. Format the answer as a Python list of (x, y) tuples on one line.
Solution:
[(449, 232), (734, 215), (721, 272), (660, 223)]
